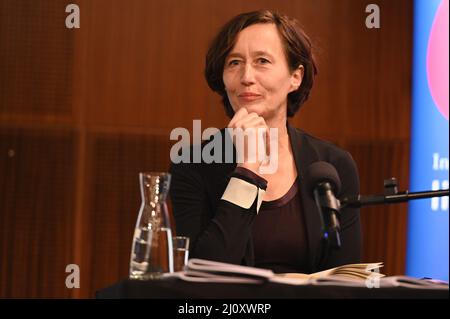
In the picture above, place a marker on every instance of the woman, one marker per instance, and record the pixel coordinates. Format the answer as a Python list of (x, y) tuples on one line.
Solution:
[(262, 66)]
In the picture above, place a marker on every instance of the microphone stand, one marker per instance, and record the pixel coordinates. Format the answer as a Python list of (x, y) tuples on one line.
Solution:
[(331, 238), (391, 196), (359, 201)]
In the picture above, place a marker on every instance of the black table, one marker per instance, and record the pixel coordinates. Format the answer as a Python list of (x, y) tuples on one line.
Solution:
[(173, 288)]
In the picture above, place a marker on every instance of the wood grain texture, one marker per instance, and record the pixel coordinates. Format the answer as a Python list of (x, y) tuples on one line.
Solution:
[(36, 52), (114, 199), (383, 226), (36, 212)]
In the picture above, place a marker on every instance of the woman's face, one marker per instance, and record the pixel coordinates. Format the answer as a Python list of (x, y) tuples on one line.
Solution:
[(256, 73)]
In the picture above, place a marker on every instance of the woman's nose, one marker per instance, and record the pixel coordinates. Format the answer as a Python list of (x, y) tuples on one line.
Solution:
[(248, 75)]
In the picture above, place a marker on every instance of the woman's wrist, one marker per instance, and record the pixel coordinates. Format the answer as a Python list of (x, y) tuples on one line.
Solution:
[(252, 176), (254, 167)]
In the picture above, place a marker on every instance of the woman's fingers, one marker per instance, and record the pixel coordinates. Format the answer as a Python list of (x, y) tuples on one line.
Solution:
[(254, 130), (241, 113), (251, 120)]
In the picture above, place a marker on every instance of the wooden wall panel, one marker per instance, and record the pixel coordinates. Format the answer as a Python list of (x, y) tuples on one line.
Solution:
[(383, 226), (363, 86), (114, 201), (37, 149), (36, 212), (36, 53), (148, 59)]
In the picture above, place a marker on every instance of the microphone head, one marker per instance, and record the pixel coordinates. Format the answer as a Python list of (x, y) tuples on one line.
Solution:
[(319, 172)]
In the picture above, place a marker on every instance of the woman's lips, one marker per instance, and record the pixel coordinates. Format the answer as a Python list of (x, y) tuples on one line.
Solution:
[(249, 97)]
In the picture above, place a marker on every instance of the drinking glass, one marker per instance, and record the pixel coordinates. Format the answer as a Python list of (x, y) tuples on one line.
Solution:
[(181, 252)]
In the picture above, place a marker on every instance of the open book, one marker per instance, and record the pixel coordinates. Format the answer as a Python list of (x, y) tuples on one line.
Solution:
[(345, 275), (201, 270), (354, 275)]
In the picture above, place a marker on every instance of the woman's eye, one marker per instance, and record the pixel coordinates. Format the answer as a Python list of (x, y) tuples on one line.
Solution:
[(233, 62)]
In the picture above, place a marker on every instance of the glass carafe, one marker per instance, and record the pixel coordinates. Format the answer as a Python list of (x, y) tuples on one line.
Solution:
[(152, 251)]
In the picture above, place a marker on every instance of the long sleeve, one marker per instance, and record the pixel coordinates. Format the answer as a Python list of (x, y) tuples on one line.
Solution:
[(217, 233)]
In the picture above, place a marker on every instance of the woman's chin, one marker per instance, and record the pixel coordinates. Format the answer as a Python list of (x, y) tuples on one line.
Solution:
[(254, 108)]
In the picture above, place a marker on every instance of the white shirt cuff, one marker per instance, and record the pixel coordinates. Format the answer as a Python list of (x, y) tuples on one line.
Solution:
[(243, 194)]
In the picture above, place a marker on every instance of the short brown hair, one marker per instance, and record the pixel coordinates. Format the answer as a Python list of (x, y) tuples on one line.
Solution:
[(297, 47)]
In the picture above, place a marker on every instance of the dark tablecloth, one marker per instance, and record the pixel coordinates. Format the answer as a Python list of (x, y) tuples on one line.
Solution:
[(177, 289)]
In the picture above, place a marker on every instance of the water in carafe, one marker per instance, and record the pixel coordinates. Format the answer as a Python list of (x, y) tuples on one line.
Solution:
[(152, 250)]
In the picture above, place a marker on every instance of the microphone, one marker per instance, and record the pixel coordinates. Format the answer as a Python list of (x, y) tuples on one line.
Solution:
[(323, 183)]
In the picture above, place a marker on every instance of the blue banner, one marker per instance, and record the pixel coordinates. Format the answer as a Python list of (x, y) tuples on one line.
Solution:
[(427, 246)]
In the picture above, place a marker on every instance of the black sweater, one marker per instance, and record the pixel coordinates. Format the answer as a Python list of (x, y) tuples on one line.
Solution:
[(220, 230)]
